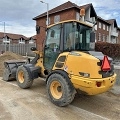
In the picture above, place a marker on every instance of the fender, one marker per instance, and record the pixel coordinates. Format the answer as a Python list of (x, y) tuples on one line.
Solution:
[(63, 73), (34, 72)]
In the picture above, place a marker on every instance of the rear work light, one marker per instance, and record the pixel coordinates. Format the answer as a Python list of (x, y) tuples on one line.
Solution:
[(105, 64)]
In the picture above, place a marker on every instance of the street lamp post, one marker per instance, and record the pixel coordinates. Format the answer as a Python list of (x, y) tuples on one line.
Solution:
[(4, 33), (47, 11), (4, 28)]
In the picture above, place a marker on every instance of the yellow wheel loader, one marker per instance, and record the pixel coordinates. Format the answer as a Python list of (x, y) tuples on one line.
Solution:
[(68, 63)]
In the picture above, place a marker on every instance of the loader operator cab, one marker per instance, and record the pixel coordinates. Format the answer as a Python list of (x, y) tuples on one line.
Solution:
[(66, 36)]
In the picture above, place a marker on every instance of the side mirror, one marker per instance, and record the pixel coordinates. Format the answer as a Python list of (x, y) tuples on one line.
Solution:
[(33, 49)]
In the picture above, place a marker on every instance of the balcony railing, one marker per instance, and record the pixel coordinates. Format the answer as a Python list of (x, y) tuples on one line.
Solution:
[(21, 42), (114, 33), (6, 40), (90, 23)]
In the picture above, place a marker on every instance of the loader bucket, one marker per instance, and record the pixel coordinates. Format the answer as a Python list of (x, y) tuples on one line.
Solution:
[(11, 69)]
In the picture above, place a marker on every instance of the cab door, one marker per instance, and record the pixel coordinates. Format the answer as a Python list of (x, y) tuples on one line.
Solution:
[(52, 46)]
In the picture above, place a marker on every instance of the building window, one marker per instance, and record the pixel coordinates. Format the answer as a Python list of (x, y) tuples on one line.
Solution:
[(6, 40), (107, 38), (31, 41), (103, 38), (103, 26), (57, 19), (99, 24), (77, 16), (95, 36), (113, 39), (93, 19), (107, 28), (99, 37), (37, 29), (22, 41)]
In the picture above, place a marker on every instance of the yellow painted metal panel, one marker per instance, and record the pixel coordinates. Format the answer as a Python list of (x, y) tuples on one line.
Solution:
[(89, 85), (83, 63)]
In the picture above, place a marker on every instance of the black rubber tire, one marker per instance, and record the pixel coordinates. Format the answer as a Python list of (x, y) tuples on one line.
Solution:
[(27, 83), (68, 92)]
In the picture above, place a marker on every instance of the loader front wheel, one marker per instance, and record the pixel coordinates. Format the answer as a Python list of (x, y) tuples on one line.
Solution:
[(23, 78), (59, 90)]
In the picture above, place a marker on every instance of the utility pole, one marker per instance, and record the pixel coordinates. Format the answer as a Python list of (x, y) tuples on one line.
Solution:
[(4, 34)]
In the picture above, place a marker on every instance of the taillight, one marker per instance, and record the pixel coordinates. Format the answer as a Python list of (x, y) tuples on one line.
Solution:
[(105, 64), (98, 84)]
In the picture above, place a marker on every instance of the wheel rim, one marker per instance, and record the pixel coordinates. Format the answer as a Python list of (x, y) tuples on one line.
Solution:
[(21, 76), (56, 89)]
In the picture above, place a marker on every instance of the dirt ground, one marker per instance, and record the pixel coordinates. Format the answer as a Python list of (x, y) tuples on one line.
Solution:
[(34, 104), (8, 56)]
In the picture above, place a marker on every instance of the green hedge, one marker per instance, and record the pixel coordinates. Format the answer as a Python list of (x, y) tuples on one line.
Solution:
[(112, 50)]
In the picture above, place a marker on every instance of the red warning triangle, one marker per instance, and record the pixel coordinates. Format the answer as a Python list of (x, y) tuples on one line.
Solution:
[(105, 64)]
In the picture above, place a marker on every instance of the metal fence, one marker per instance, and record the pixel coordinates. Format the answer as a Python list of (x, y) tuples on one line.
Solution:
[(22, 49)]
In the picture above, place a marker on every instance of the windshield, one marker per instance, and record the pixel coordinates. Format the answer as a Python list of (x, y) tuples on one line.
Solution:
[(76, 36)]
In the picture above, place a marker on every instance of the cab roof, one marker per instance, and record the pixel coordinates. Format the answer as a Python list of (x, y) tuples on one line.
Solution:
[(70, 21)]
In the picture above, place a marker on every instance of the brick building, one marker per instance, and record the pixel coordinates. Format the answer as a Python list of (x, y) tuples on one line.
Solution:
[(66, 11), (106, 30), (113, 31), (31, 39), (102, 32), (118, 35)]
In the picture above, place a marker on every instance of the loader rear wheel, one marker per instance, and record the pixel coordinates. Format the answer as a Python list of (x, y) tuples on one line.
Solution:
[(23, 78), (59, 90)]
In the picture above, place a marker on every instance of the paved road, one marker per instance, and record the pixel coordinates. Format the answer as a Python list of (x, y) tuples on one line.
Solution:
[(33, 104)]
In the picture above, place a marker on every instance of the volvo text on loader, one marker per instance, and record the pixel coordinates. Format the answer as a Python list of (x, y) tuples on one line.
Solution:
[(68, 63)]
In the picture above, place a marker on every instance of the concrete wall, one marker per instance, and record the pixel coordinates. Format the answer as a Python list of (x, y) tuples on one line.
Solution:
[(22, 49)]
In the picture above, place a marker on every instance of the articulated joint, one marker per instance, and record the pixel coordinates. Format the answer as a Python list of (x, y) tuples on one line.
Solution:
[(34, 72)]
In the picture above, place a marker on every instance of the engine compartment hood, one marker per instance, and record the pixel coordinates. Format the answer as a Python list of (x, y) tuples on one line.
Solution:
[(98, 55)]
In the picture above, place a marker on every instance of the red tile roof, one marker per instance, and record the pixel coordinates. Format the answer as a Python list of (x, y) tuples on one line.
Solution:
[(111, 21), (103, 20), (66, 6), (85, 6), (59, 8), (33, 37), (12, 36)]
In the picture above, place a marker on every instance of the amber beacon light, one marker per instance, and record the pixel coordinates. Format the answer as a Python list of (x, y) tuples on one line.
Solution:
[(82, 12)]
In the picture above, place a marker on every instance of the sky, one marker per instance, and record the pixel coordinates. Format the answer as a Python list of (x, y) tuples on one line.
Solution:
[(18, 14)]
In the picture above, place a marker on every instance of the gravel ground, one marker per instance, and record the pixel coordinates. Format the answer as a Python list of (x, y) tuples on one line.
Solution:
[(34, 104)]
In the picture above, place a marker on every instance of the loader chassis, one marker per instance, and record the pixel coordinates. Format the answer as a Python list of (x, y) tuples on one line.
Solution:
[(68, 63)]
